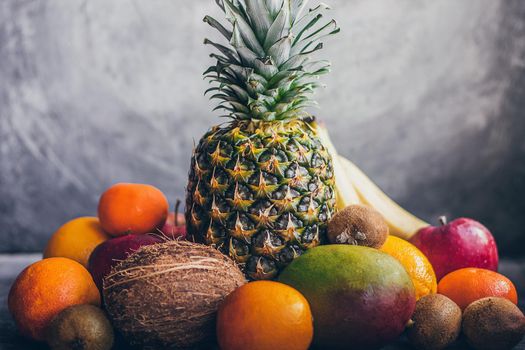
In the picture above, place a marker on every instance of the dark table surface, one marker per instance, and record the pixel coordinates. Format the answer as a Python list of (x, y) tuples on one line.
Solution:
[(11, 265)]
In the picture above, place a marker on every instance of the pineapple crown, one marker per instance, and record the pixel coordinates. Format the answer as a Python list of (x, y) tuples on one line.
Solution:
[(266, 72)]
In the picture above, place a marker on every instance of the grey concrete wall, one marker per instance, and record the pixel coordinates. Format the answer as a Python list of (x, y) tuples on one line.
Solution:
[(426, 96)]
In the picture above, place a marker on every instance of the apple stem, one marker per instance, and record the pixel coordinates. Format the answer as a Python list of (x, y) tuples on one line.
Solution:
[(177, 204), (443, 220)]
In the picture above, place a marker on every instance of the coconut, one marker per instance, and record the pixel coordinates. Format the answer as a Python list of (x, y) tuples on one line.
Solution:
[(167, 295)]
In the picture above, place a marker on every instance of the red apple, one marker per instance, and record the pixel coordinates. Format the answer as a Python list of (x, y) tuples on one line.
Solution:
[(175, 226), (110, 252), (458, 244)]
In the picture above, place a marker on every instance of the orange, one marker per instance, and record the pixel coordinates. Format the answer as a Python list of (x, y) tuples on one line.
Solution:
[(415, 262), (76, 239), (127, 208), (44, 289), (265, 315), (467, 285)]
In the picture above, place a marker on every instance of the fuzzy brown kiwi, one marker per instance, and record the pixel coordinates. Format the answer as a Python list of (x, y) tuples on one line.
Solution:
[(493, 324), (435, 323), (80, 327), (166, 295), (358, 225)]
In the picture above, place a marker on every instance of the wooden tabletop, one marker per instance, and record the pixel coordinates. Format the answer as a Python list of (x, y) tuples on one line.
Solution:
[(11, 265)]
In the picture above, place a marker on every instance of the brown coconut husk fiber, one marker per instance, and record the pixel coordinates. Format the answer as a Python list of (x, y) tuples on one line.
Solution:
[(166, 295)]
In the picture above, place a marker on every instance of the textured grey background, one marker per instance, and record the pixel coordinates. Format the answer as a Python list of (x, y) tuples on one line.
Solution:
[(428, 97)]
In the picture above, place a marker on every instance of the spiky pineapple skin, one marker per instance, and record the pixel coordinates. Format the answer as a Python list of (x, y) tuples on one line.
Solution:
[(261, 192)]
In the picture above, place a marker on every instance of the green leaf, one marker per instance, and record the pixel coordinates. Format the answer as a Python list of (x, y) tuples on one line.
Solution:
[(242, 73), (215, 24), (219, 58), (269, 116), (277, 78), (211, 69), (313, 37), (240, 92), (240, 5), (245, 30), (247, 56), (328, 29), (298, 7), (260, 17), (239, 107), (241, 116), (221, 106), (280, 27), (303, 21), (215, 88), (273, 6), (265, 100), (306, 27), (280, 51), (256, 84), (295, 62), (222, 96), (232, 55), (265, 67)]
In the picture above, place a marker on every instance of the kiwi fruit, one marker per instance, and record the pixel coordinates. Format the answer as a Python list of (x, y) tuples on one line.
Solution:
[(435, 323), (80, 327), (358, 225), (493, 324)]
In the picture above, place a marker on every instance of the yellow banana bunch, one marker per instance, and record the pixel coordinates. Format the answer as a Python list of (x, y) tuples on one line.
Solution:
[(353, 186)]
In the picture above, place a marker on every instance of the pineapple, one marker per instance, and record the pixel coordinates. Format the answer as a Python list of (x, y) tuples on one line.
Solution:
[(261, 186)]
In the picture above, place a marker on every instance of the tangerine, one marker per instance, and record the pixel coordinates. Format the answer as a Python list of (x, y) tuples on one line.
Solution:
[(467, 285), (45, 288), (128, 208), (265, 315), (76, 239)]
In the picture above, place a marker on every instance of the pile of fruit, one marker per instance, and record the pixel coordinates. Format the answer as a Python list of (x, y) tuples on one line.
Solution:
[(284, 244), (363, 287)]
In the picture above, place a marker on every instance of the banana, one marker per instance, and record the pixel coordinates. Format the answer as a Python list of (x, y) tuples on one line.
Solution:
[(353, 186), (400, 222)]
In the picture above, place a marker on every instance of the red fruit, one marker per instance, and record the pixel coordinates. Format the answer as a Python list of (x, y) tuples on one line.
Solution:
[(458, 244), (175, 226), (111, 252)]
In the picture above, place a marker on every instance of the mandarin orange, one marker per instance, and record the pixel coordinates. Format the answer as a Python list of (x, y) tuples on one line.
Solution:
[(76, 239), (467, 285), (128, 208)]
